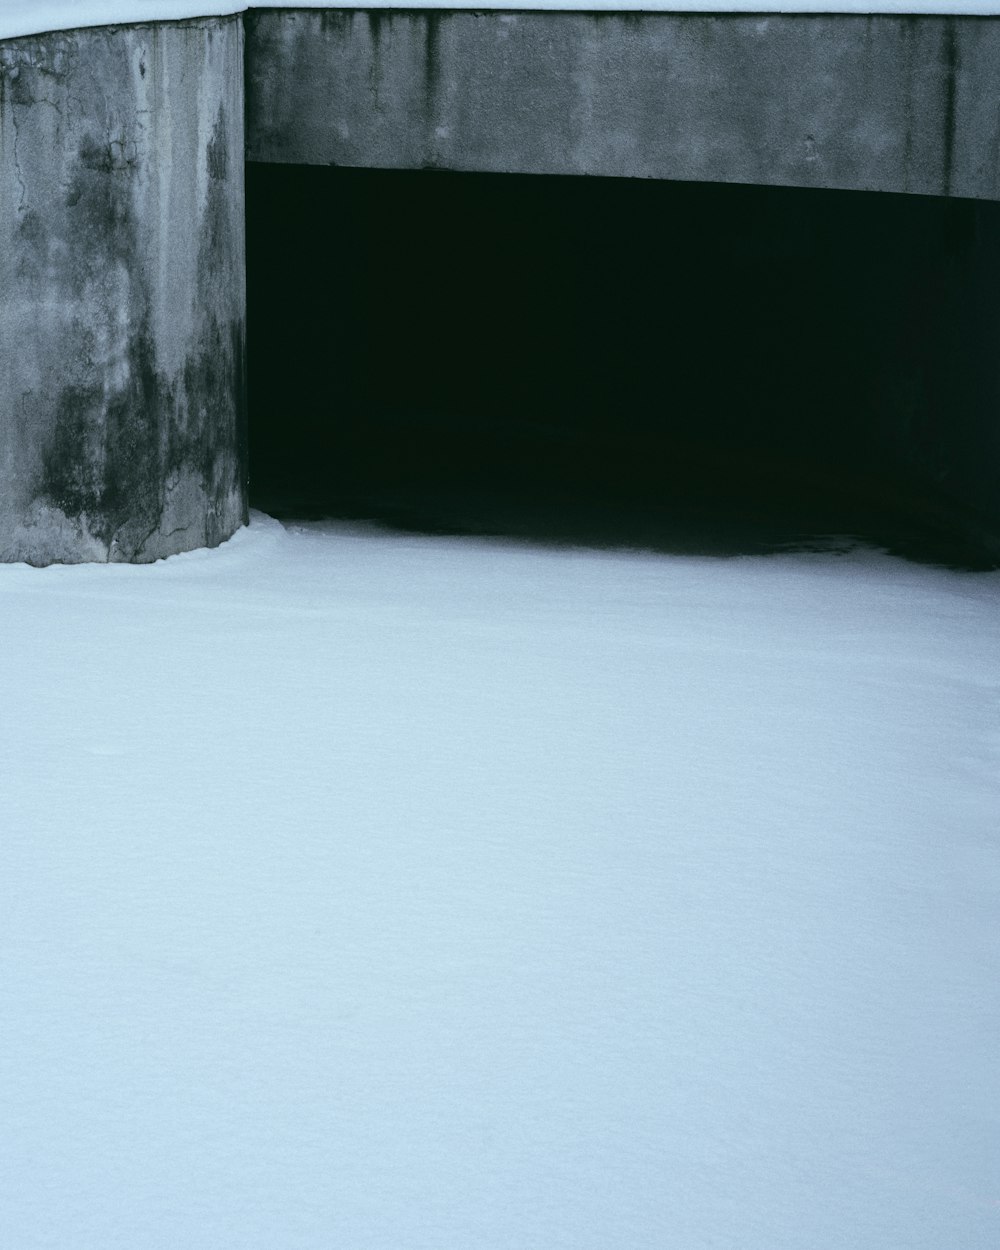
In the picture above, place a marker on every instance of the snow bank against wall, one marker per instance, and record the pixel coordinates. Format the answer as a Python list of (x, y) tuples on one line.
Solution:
[(27, 17)]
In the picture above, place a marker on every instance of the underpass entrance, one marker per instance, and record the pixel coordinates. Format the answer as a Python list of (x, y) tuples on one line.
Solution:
[(686, 366)]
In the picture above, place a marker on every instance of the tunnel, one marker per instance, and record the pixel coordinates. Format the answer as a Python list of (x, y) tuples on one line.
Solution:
[(686, 366)]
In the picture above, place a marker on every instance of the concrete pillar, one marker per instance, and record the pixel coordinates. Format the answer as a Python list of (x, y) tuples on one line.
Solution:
[(122, 292)]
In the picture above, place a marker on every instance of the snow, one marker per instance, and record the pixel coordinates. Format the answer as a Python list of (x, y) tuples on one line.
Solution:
[(27, 17), (398, 892)]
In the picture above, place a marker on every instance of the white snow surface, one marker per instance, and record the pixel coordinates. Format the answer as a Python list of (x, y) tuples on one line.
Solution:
[(28, 17), (375, 891)]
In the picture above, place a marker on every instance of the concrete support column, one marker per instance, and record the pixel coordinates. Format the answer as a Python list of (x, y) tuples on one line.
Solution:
[(122, 292)]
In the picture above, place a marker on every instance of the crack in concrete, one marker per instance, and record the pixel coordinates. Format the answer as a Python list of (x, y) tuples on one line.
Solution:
[(18, 171)]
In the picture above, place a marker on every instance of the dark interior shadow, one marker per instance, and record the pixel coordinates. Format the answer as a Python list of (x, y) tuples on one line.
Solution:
[(685, 367)]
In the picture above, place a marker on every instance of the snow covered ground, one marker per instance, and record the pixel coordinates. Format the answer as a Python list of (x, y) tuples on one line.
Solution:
[(28, 17), (367, 890)]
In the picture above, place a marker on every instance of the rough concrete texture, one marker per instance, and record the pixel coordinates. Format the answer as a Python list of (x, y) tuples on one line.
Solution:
[(885, 103), (122, 272)]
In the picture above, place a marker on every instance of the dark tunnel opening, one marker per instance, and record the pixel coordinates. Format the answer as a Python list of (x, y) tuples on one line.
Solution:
[(685, 366)]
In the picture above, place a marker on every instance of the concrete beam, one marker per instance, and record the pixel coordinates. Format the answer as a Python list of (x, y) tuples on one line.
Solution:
[(878, 103), (122, 261)]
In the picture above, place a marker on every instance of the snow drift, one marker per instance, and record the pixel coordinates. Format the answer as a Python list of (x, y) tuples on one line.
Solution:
[(381, 891)]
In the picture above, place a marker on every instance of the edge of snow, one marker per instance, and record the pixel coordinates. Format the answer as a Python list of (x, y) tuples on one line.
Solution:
[(32, 17)]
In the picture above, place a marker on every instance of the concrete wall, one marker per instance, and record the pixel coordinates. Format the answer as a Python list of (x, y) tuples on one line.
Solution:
[(122, 268), (818, 360), (859, 103), (123, 292)]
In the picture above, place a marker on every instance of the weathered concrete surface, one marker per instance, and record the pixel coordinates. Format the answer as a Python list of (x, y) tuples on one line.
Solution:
[(123, 292), (860, 103)]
